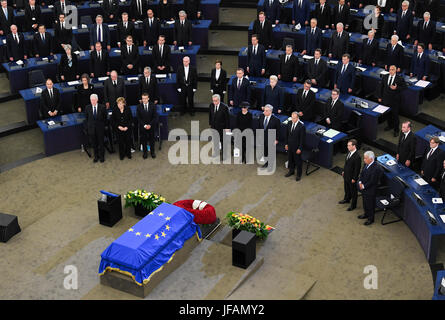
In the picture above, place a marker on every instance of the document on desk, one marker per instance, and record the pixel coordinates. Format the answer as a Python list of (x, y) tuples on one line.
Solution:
[(160, 76), (19, 62), (361, 69), (169, 22), (442, 138), (333, 61), (442, 216), (102, 78), (132, 78), (380, 109), (315, 90), (329, 141), (420, 182), (331, 133), (72, 83), (384, 72), (412, 80), (422, 83), (307, 57), (38, 90), (117, 50)]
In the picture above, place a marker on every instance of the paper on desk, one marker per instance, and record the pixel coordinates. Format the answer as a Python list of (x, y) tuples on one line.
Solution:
[(400, 42), (50, 6), (117, 50), (443, 220), (307, 57), (38, 90), (361, 68), (77, 52), (45, 59), (442, 138), (315, 90), (412, 80), (4, 41), (132, 78), (390, 162), (112, 25), (274, 25), (19, 62), (329, 140), (437, 200), (380, 109), (72, 83), (331, 133), (383, 72), (298, 26), (181, 48), (51, 123), (160, 76), (422, 83), (84, 26), (421, 182), (102, 78), (74, 27), (384, 202), (333, 61), (169, 22)]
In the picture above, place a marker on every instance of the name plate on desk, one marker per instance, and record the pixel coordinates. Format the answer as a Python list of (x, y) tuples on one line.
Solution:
[(161, 76), (102, 78), (132, 78), (42, 62), (437, 200), (72, 83), (391, 162)]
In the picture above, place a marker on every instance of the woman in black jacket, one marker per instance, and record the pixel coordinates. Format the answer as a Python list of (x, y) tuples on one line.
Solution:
[(218, 80), (84, 91), (121, 121), (68, 65), (243, 122)]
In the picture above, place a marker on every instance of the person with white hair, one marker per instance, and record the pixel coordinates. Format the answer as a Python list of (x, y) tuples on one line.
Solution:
[(16, 47), (269, 122), (187, 84), (338, 45), (219, 117), (426, 30), (273, 94), (370, 50), (367, 184), (149, 84), (404, 22), (95, 118), (394, 54), (182, 31), (68, 65)]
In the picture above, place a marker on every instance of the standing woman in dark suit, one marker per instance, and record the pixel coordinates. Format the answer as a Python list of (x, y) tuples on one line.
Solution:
[(165, 11), (68, 65), (218, 80), (243, 122), (84, 91), (121, 121)]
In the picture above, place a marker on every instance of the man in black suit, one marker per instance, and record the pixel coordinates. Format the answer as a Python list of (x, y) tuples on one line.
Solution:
[(426, 30), (406, 148), (340, 13), (338, 45), (256, 58), (63, 34), (404, 22), (32, 16), (124, 28), (219, 120), (442, 182), (96, 116), (272, 10), (99, 62), (263, 28), (431, 6), (50, 101), (312, 38), (100, 32), (61, 6), (6, 18), (110, 9), (317, 69), (138, 10), (148, 84), (323, 14), (350, 173), (288, 66), (394, 54), (187, 82), (218, 80), (345, 75), (151, 29), (269, 122), (305, 102), (334, 111), (42, 43), (148, 122), (161, 56), (295, 138), (130, 57), (420, 63), (182, 31), (368, 183), (192, 8), (17, 48), (390, 94), (370, 50), (239, 90), (114, 87), (432, 163)]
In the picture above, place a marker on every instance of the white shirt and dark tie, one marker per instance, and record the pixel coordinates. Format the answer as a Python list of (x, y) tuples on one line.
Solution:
[(147, 80), (431, 152), (350, 154), (217, 73), (99, 33), (391, 80), (240, 81), (266, 122)]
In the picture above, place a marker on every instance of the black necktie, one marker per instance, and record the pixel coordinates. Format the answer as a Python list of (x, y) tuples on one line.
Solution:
[(429, 154), (266, 122), (349, 155), (94, 112), (114, 84), (147, 80)]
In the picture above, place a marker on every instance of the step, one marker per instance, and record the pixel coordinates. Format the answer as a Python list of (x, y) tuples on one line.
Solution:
[(15, 128)]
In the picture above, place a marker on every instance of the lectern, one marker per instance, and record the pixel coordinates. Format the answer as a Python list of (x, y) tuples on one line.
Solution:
[(243, 249), (110, 211)]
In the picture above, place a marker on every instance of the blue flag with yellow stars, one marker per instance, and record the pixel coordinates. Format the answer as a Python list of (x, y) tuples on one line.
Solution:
[(149, 244)]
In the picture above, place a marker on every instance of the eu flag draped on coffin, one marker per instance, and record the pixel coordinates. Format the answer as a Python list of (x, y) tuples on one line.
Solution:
[(150, 243)]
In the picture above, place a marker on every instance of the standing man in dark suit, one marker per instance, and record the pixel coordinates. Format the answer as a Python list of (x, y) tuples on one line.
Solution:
[(426, 30), (61, 6), (323, 15), (351, 171), (50, 101), (404, 23), (340, 14), (295, 138), (130, 57), (334, 111), (432, 163), (149, 84), (182, 31), (218, 80), (110, 9), (390, 90), (312, 38), (99, 62), (269, 122), (192, 8), (256, 58), (272, 10), (151, 29), (161, 56), (42, 43), (239, 90), (32, 16), (148, 122), (96, 116), (420, 63), (406, 148), (6, 18), (288, 66), (124, 28), (339, 43), (301, 12), (305, 102), (394, 54), (187, 82), (317, 69), (345, 75), (114, 87), (17, 49), (370, 50), (368, 183), (63, 34), (100, 32), (138, 10), (263, 28), (219, 120), (442, 182), (431, 6)]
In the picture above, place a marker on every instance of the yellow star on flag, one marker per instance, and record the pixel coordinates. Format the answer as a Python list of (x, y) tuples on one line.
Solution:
[(130, 230), (156, 237), (163, 234), (148, 235), (167, 227), (168, 218), (151, 213), (161, 214), (138, 233)]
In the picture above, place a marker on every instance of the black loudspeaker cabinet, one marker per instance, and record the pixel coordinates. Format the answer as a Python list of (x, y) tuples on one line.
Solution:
[(110, 211), (243, 249)]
